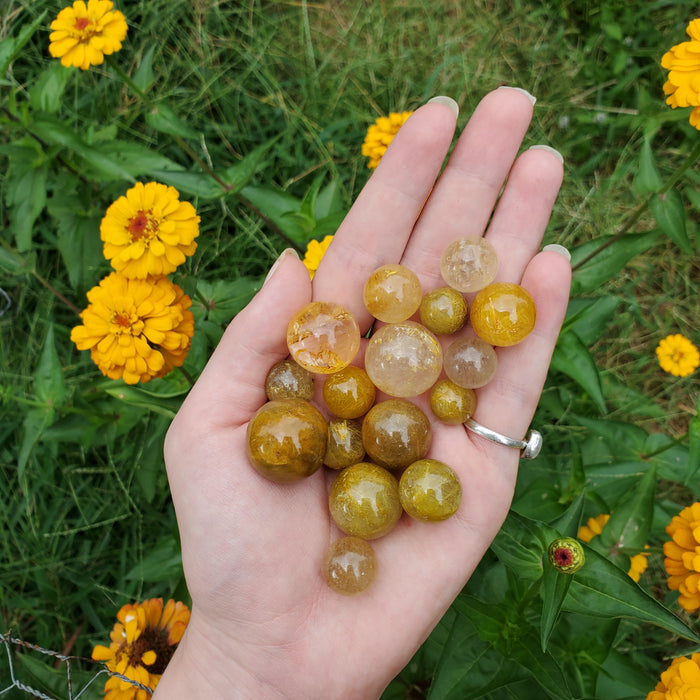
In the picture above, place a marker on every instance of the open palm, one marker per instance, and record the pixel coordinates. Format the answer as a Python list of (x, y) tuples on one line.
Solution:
[(264, 623)]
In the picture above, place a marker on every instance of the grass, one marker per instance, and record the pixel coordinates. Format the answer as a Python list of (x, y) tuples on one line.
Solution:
[(85, 521)]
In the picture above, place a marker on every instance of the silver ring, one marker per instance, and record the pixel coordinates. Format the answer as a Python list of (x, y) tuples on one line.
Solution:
[(529, 447)]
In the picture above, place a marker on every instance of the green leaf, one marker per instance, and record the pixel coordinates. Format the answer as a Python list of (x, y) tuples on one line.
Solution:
[(329, 201), (136, 159), (611, 259), (669, 212), (35, 422), (162, 117), (520, 544), (11, 47), (568, 523), (40, 673), (240, 174), (46, 93), (276, 205), (223, 299), (144, 77), (621, 440), (647, 178), (26, 197), (12, 262), (571, 357), (555, 586), (163, 562), (200, 185), (164, 406), (601, 589), (49, 383), (693, 449), (589, 318)]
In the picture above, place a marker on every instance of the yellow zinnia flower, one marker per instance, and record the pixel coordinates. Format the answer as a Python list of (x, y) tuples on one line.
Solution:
[(149, 231), (682, 560), (381, 134), (314, 252), (683, 84), (136, 329), (594, 526), (143, 642), (84, 34), (680, 680), (677, 355)]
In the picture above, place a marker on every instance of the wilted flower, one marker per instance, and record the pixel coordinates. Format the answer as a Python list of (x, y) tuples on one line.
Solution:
[(84, 34), (381, 134), (314, 252)]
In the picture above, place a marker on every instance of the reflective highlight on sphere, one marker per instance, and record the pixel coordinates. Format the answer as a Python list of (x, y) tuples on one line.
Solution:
[(349, 566), (444, 311), (470, 362), (287, 380), (323, 337), (286, 440), (451, 403), (430, 490), (349, 393), (344, 447), (503, 314), (403, 359), (392, 293), (395, 433), (364, 501), (469, 264)]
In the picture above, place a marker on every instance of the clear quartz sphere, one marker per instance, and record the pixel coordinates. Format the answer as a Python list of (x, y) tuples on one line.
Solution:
[(323, 337), (470, 362), (287, 380), (403, 359), (392, 293), (349, 566), (469, 264)]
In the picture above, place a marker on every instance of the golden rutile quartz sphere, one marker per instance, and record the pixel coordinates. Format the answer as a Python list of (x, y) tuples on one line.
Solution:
[(469, 264), (470, 362), (349, 566), (392, 293), (403, 359), (430, 490), (395, 433), (344, 446), (287, 380), (323, 337), (451, 403), (503, 314), (286, 440), (364, 501), (349, 393), (444, 311)]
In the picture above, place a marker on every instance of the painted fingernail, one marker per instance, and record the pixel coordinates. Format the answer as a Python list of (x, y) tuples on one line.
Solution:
[(556, 248), (276, 264), (530, 97), (549, 149), (447, 101)]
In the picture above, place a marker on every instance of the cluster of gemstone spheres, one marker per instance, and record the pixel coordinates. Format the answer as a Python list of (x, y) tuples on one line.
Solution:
[(380, 448)]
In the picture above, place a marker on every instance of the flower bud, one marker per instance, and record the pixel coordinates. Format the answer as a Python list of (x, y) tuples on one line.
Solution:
[(566, 555)]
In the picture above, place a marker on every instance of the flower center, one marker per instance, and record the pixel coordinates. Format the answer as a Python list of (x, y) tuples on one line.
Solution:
[(563, 556), (677, 356), (152, 639), (143, 225), (81, 23), (126, 322)]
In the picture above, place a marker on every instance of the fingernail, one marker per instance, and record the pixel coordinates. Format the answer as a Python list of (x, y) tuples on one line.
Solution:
[(447, 101), (276, 264), (549, 149), (556, 248), (530, 97)]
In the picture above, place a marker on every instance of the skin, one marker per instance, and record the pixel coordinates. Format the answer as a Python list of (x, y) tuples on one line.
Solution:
[(264, 624)]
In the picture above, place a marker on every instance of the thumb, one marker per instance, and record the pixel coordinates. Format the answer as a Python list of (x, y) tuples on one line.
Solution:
[(232, 385)]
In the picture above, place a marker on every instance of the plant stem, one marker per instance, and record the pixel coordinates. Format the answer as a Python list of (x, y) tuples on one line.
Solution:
[(639, 210)]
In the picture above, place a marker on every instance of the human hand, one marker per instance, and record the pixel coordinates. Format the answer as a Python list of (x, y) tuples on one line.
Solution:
[(264, 623)]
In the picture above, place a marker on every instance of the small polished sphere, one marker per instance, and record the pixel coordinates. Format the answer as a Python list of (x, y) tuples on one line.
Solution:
[(323, 337), (430, 490), (503, 314), (286, 440), (451, 403), (470, 362), (364, 501), (349, 566), (287, 380), (444, 311), (349, 393), (344, 446), (392, 293), (403, 359), (395, 433), (469, 264)]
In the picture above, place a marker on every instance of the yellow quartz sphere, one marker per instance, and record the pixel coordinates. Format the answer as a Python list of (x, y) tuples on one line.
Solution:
[(451, 403), (349, 393), (503, 314), (287, 380), (323, 337), (364, 501), (430, 490), (444, 311), (344, 446), (392, 293), (349, 565), (286, 440)]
